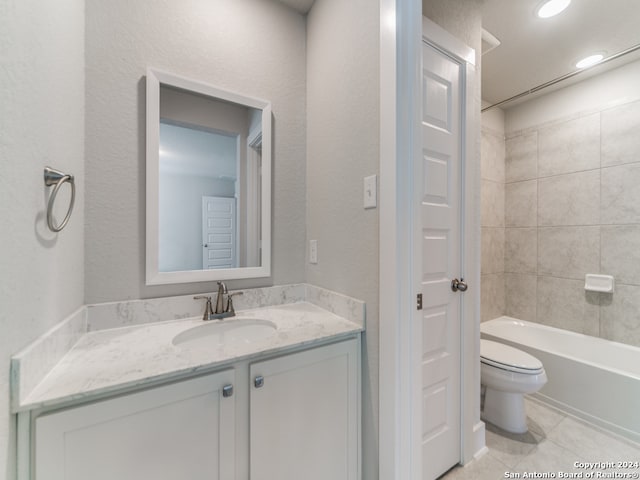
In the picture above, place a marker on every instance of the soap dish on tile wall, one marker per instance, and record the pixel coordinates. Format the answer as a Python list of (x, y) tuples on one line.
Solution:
[(598, 283)]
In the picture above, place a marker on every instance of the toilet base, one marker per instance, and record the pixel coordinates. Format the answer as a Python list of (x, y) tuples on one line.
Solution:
[(505, 410)]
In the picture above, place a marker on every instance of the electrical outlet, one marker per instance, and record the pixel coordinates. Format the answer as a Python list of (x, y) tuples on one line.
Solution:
[(371, 191), (313, 251)]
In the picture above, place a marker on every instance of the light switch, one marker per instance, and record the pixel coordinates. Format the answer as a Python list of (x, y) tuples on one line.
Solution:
[(313, 251), (371, 191)]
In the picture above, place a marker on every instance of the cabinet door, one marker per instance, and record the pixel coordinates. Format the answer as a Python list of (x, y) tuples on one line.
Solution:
[(180, 431), (305, 416)]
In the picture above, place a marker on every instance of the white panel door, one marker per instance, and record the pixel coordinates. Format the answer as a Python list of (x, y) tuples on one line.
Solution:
[(219, 249), (438, 190), (185, 430), (304, 416)]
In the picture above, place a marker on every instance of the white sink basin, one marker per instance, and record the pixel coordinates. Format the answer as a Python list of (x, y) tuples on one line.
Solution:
[(225, 332)]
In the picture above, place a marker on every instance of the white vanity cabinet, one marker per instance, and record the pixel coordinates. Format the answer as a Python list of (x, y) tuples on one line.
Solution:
[(304, 415), (293, 416), (183, 430)]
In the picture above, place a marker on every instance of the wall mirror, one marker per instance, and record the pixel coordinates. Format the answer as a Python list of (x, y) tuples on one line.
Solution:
[(208, 182)]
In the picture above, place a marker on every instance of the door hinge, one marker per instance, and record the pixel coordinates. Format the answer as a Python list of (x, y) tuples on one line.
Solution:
[(419, 299)]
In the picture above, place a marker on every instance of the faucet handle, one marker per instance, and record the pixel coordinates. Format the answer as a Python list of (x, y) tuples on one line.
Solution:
[(208, 310), (230, 308)]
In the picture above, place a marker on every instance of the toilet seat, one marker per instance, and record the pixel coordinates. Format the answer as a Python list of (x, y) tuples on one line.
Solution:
[(508, 358)]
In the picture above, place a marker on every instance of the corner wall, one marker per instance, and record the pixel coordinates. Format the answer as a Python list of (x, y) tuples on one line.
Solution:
[(492, 217), (342, 148), (41, 124)]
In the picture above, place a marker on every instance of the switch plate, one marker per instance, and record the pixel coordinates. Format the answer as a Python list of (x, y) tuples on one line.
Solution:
[(313, 251), (371, 191)]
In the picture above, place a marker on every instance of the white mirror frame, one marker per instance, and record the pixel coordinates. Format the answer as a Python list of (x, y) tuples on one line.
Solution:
[(155, 78)]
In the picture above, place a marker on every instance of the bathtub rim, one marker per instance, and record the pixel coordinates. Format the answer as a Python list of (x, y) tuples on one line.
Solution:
[(590, 338)]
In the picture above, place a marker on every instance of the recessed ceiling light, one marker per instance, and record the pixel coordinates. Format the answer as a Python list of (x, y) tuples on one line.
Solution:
[(552, 7), (590, 60)]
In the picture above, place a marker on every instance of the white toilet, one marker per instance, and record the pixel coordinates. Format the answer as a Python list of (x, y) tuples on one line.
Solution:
[(508, 373)]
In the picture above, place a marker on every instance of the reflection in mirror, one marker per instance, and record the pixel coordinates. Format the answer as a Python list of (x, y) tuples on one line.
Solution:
[(208, 200)]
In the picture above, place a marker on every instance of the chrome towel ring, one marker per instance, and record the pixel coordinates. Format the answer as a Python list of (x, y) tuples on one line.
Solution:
[(56, 178)]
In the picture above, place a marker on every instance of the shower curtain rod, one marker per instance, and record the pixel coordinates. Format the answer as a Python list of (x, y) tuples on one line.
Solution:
[(563, 77)]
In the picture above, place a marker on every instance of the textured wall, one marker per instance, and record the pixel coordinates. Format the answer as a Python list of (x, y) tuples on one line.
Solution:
[(254, 47), (572, 209), (343, 148), (41, 123)]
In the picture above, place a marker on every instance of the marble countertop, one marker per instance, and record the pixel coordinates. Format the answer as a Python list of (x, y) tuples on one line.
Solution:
[(120, 359)]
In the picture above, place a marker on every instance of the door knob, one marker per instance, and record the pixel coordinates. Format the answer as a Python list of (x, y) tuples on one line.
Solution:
[(459, 285)]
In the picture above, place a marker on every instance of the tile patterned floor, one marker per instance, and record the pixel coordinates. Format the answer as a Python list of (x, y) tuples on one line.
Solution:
[(553, 445)]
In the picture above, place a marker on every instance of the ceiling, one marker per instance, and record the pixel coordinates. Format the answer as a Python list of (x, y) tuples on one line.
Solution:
[(534, 51), (301, 6)]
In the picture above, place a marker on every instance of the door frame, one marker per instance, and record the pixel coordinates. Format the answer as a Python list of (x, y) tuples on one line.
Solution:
[(401, 37)]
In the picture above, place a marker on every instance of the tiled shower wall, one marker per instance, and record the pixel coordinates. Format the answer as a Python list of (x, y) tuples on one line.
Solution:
[(571, 207)]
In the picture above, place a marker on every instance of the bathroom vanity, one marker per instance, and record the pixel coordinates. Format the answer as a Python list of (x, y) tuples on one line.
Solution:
[(271, 393)]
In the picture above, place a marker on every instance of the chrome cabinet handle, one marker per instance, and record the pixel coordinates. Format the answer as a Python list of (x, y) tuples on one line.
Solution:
[(459, 285), (258, 381), (227, 391)]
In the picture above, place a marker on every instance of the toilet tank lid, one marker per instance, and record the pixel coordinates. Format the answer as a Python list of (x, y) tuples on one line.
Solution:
[(504, 354)]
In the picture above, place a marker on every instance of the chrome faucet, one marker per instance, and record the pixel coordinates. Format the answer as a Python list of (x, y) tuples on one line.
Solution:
[(221, 310), (222, 291)]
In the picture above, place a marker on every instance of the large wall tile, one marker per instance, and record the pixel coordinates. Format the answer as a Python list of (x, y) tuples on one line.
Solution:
[(564, 304), (571, 146), (492, 250), (572, 199), (492, 296), (521, 161), (620, 195), (521, 250), (620, 139), (568, 252), (621, 253), (620, 319), (492, 156), (521, 204), (520, 296), (492, 204)]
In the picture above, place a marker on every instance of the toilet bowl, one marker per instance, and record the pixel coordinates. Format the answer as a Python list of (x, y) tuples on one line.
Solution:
[(508, 374)]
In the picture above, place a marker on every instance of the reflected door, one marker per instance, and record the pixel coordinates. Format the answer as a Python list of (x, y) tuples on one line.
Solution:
[(219, 249)]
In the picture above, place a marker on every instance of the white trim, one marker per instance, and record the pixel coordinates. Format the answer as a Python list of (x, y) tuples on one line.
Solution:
[(472, 443), (479, 446), (154, 277), (23, 447), (439, 36), (400, 31)]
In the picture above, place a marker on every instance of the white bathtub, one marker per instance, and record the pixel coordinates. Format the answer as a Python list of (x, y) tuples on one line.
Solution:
[(592, 378)]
